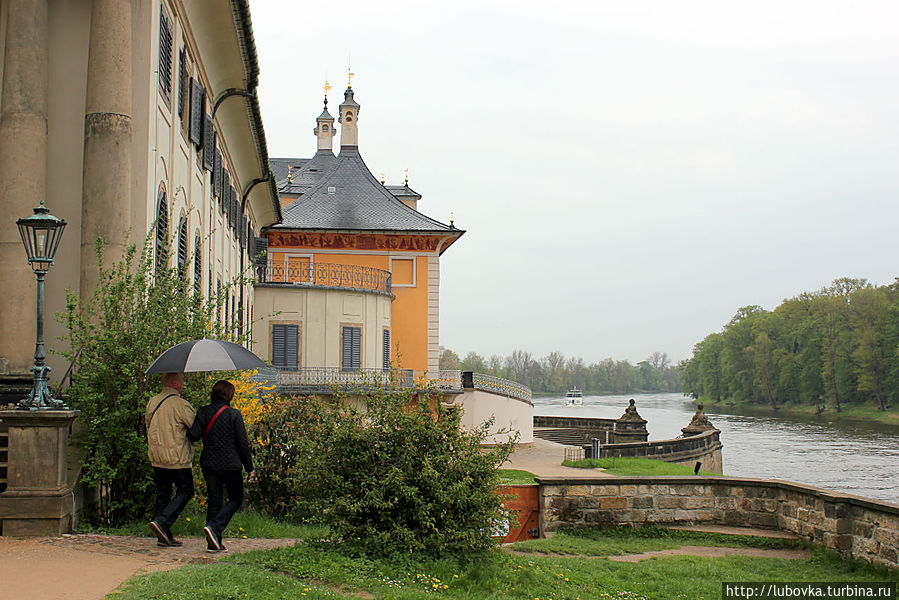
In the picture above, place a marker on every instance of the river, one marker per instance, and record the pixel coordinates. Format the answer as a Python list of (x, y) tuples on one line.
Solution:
[(853, 457)]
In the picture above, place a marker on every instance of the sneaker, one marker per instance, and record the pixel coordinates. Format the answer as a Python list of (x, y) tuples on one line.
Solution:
[(172, 540), (212, 540), (162, 537)]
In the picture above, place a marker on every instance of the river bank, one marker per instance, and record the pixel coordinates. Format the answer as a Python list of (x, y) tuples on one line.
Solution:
[(859, 413)]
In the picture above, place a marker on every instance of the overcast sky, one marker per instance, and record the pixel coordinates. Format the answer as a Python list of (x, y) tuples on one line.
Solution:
[(628, 173)]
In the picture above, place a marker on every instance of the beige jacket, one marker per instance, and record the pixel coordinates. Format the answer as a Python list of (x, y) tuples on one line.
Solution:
[(167, 443)]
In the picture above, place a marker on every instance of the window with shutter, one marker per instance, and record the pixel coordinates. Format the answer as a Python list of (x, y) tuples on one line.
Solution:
[(229, 211), (198, 265), (208, 143), (235, 211), (260, 252), (162, 229), (224, 198), (217, 175), (182, 80), (197, 111), (351, 347), (182, 246), (386, 349), (165, 54), (285, 346)]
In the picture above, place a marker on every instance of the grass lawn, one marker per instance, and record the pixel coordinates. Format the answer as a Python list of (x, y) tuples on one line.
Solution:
[(636, 467), (516, 477), (329, 571)]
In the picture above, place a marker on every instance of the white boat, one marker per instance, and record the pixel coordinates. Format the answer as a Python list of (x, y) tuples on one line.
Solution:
[(574, 397)]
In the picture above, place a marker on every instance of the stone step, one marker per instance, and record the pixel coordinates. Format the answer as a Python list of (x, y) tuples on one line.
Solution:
[(728, 530)]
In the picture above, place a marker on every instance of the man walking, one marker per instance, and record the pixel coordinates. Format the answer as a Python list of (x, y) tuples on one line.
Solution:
[(168, 418)]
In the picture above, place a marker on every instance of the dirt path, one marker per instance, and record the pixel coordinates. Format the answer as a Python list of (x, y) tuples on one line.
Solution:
[(715, 552), (706, 551), (76, 567)]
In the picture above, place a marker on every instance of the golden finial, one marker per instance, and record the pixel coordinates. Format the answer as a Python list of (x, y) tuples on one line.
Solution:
[(289, 174), (382, 178), (327, 88), (451, 220), (406, 171), (349, 78)]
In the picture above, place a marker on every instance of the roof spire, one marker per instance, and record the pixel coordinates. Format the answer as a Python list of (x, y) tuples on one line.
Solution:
[(324, 126), (407, 176)]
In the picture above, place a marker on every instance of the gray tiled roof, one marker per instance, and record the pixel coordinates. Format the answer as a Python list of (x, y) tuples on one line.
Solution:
[(402, 191), (279, 166), (311, 170), (349, 197)]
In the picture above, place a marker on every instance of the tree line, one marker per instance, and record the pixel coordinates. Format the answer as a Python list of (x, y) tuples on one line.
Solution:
[(832, 347), (556, 373)]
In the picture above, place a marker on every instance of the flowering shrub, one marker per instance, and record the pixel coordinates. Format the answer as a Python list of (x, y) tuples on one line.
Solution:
[(398, 476)]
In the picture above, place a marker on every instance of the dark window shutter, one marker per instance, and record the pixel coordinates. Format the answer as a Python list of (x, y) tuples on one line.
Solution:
[(260, 252), (208, 144), (386, 349), (198, 265), (352, 348), (217, 175), (285, 348), (182, 81), (231, 203), (182, 246), (165, 53), (226, 182), (235, 213), (243, 230), (162, 230), (197, 111)]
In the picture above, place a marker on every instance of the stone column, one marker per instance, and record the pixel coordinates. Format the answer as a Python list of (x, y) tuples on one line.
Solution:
[(106, 197), (23, 182), (38, 499)]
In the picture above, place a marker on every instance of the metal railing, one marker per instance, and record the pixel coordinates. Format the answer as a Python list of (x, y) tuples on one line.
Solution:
[(324, 380), (512, 389), (320, 274), (4, 457)]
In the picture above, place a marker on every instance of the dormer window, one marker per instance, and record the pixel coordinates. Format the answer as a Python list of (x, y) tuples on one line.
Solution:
[(332, 189)]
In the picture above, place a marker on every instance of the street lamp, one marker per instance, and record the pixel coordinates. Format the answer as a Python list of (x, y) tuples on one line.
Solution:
[(40, 233)]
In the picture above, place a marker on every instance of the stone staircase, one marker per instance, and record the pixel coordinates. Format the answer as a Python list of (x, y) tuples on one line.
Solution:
[(562, 435)]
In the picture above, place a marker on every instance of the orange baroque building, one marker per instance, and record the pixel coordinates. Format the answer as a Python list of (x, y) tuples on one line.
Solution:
[(350, 282)]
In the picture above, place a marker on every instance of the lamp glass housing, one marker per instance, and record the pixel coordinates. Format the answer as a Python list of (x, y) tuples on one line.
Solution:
[(41, 234)]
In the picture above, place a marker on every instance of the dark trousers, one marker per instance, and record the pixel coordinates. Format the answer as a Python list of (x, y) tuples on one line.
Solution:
[(217, 482), (167, 507)]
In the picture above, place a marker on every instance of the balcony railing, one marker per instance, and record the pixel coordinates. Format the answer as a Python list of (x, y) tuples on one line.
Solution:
[(324, 380), (327, 275), (512, 389)]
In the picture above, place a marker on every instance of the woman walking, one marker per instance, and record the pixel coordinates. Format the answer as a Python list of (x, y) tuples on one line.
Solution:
[(226, 451)]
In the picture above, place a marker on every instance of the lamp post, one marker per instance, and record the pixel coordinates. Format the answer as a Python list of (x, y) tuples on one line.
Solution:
[(40, 233)]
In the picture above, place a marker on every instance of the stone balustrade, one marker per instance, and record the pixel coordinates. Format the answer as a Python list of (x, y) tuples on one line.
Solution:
[(857, 527)]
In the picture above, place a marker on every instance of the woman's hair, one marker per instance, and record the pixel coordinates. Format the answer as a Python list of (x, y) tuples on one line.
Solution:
[(222, 390)]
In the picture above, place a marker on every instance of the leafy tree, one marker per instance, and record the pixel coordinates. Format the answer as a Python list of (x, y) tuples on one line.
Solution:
[(474, 362), (449, 360)]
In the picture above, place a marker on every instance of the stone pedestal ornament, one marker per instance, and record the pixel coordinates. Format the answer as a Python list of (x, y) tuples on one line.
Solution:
[(630, 427), (698, 424), (38, 499)]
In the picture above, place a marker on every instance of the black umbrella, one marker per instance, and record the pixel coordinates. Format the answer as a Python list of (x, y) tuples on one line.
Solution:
[(205, 355)]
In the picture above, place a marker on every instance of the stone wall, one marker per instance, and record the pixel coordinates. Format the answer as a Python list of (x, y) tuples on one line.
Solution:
[(857, 527)]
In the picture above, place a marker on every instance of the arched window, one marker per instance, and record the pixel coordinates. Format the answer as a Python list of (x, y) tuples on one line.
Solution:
[(198, 266), (182, 246), (162, 229)]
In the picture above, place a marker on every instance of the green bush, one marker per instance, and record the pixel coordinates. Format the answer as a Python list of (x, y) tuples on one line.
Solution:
[(399, 476), (137, 311)]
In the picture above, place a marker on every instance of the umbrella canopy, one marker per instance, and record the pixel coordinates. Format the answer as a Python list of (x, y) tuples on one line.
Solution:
[(205, 355)]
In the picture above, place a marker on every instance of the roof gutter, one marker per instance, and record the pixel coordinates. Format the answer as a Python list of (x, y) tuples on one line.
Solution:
[(241, 10)]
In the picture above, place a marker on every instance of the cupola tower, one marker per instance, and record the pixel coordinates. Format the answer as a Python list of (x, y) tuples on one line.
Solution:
[(324, 127), (349, 115)]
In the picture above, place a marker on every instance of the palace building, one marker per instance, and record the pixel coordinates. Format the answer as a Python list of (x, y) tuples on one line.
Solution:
[(120, 116), (352, 274)]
